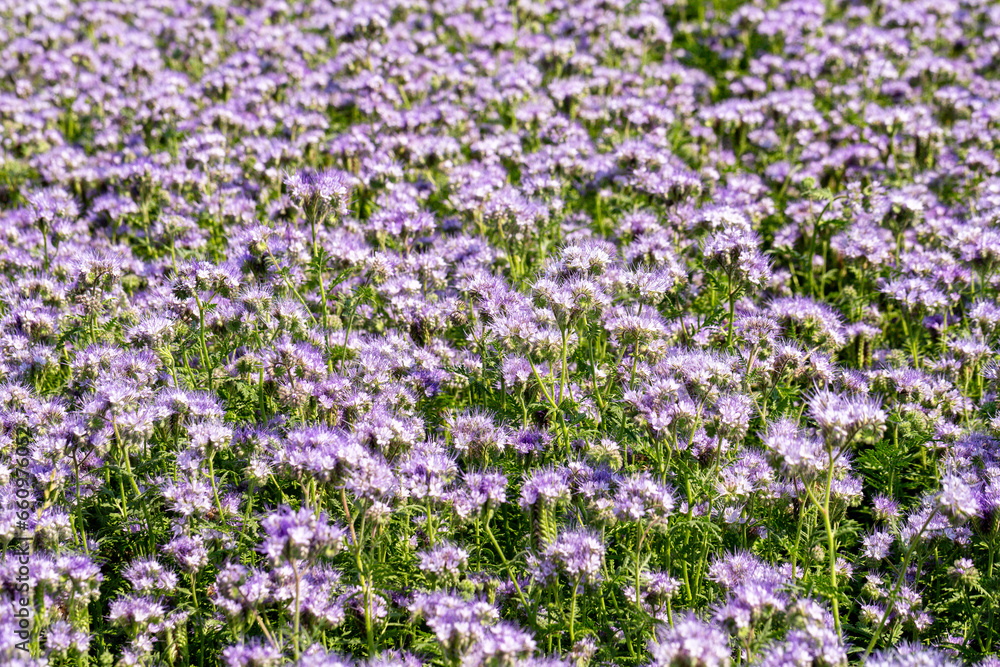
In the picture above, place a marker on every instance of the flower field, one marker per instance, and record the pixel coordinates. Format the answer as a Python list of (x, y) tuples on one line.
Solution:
[(460, 333)]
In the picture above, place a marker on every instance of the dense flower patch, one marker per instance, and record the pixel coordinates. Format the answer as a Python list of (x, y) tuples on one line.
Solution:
[(453, 332)]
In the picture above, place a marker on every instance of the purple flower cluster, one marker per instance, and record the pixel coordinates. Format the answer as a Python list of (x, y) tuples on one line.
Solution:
[(499, 334)]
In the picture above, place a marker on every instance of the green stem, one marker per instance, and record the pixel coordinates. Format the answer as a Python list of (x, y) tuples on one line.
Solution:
[(506, 564), (638, 571), (201, 627), (298, 580), (201, 337), (572, 612), (215, 491), (290, 286), (798, 537), (732, 314), (824, 510)]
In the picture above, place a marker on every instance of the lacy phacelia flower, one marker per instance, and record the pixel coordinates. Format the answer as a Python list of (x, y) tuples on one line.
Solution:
[(840, 418), (691, 643), (330, 189), (957, 499), (640, 498), (578, 554), (794, 450), (444, 560), (301, 534)]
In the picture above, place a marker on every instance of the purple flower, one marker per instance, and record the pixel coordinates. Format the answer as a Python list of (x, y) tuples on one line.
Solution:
[(735, 250), (691, 643), (885, 508), (503, 643), (253, 653), (547, 486), (964, 571), (817, 321), (489, 487), (136, 611), (147, 576), (794, 450), (456, 623), (482, 492), (61, 637), (579, 554), (303, 534), (957, 500), (474, 433), (330, 189), (732, 415), (444, 560), (810, 639), (640, 498), (877, 544), (426, 472), (841, 418), (189, 551), (907, 654), (317, 656), (657, 589), (239, 590), (210, 436)]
